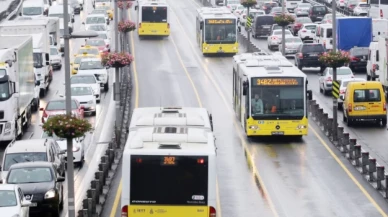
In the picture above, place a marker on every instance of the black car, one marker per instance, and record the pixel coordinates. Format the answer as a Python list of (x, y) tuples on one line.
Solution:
[(308, 56), (267, 6), (41, 184), (262, 25), (317, 12), (358, 58)]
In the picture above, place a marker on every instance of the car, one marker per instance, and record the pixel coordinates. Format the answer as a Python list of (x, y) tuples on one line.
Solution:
[(77, 60), (31, 150), (275, 27), (291, 45), (275, 38), (317, 12), (99, 28), (267, 6), (85, 96), (41, 184), (99, 43), (232, 4), (89, 80), (343, 85), (341, 3), (103, 12), (308, 56), (108, 10), (78, 148), (307, 31), (93, 66), (73, 4), (104, 36), (252, 12), (351, 4), (297, 25), (358, 58), (58, 107), (328, 18), (55, 58), (302, 9), (81, 4), (275, 11), (238, 10), (97, 3), (362, 9), (93, 19), (12, 201), (89, 50), (326, 78)]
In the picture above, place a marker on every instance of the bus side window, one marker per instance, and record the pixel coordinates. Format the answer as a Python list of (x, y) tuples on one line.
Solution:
[(245, 87), (377, 55)]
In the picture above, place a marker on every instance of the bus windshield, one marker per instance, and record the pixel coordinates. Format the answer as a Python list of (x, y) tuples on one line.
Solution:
[(149, 15), (220, 31), (169, 180), (279, 98)]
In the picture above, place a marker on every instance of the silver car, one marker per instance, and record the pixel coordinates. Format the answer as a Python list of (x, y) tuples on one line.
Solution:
[(302, 9), (292, 44), (275, 38)]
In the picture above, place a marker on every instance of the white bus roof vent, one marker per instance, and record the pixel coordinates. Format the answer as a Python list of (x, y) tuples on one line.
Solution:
[(169, 146), (171, 109), (260, 53), (170, 130), (274, 70), (252, 63)]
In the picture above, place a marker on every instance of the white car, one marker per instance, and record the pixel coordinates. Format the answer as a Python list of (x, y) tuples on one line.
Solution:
[(326, 78), (239, 9), (232, 4), (302, 9), (292, 45), (103, 12), (12, 201), (94, 19), (275, 38), (89, 80), (341, 3), (362, 9), (85, 96), (99, 28), (104, 35), (307, 31), (343, 86), (93, 66), (55, 58)]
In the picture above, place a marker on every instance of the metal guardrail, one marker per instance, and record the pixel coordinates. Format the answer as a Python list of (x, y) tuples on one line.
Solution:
[(11, 11)]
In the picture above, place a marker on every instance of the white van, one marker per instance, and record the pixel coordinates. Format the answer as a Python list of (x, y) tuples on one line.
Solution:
[(57, 11), (324, 36), (379, 28), (373, 61), (32, 8)]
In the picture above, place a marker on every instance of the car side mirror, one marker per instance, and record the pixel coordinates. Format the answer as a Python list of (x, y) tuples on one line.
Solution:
[(55, 43), (342, 98), (60, 179), (26, 203), (377, 67), (62, 54), (309, 94), (72, 20), (1, 168), (83, 23), (41, 109), (20, 14), (37, 83)]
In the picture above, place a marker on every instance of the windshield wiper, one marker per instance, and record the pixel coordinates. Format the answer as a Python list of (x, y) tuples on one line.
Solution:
[(15, 160)]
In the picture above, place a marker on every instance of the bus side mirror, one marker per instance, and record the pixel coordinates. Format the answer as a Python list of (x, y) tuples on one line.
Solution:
[(136, 7), (310, 95), (245, 88), (201, 25)]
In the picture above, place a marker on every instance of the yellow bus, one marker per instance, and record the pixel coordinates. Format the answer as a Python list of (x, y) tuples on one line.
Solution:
[(270, 95), (216, 31), (153, 18)]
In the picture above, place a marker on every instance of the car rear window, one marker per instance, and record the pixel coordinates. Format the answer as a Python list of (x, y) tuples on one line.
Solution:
[(367, 95), (323, 8), (264, 20), (312, 48), (359, 51)]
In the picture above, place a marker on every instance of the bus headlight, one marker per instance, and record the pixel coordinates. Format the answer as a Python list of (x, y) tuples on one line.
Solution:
[(234, 48), (301, 127), (206, 48), (254, 127)]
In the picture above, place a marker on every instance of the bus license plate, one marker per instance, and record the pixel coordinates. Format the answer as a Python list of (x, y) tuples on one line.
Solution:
[(277, 133), (154, 31), (220, 51)]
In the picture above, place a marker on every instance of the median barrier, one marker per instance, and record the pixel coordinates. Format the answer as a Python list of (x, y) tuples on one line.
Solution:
[(244, 44), (350, 149)]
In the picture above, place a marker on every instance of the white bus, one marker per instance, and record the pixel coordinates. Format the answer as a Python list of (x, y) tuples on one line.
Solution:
[(169, 171), (170, 116)]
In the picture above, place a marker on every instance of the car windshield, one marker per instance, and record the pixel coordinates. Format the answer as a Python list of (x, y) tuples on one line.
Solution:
[(93, 51), (341, 71), (276, 27), (280, 32), (95, 42), (97, 28), (271, 4), (81, 91), (77, 60), (304, 5), (364, 5), (359, 51), (30, 175), (303, 20), (95, 20), (310, 27), (87, 65), (11, 159), (367, 95), (320, 8), (38, 61), (56, 15), (254, 14), (99, 11), (59, 105), (103, 8), (31, 11), (103, 36), (83, 79), (8, 198), (54, 51), (277, 9), (293, 40)]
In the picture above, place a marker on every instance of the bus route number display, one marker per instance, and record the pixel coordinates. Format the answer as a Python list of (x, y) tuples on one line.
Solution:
[(169, 161), (220, 21), (278, 81)]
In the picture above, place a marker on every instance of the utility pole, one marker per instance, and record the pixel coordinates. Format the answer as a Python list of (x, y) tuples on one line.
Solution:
[(117, 72), (248, 33), (284, 29), (335, 100)]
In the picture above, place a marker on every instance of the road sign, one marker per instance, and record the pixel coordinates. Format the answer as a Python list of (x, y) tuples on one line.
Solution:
[(335, 91), (249, 21)]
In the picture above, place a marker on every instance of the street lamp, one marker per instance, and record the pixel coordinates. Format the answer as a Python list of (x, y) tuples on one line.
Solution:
[(335, 100), (70, 165)]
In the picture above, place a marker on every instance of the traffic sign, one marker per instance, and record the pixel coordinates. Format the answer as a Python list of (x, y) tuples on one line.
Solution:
[(249, 21), (335, 91)]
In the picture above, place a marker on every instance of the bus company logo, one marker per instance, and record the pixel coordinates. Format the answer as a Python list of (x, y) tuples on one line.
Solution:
[(198, 197), (160, 211)]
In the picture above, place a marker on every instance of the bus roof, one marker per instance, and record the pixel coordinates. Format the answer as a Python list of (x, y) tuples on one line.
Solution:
[(273, 65), (170, 116), (171, 140), (215, 12), (155, 3)]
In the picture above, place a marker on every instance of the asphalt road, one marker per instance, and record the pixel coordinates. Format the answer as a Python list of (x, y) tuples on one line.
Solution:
[(286, 178), (96, 141)]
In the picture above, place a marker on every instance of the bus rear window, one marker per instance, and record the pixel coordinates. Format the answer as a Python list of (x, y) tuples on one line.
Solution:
[(265, 20), (149, 15), (169, 180)]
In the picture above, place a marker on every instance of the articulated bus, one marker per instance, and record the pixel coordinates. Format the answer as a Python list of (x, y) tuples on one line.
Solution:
[(216, 31), (169, 171), (153, 18), (171, 116), (270, 95)]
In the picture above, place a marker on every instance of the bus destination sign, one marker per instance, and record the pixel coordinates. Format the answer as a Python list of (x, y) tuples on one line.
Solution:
[(169, 161), (220, 21), (278, 81)]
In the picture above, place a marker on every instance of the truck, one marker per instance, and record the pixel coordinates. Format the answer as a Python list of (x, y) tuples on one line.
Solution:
[(53, 30), (17, 86), (380, 28), (39, 29), (377, 63), (348, 36)]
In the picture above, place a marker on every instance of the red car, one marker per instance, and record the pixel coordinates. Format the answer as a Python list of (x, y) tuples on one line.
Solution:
[(99, 43), (58, 107), (299, 21)]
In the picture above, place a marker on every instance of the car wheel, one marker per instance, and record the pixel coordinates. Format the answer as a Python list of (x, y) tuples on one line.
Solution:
[(94, 113), (368, 77), (384, 122), (61, 203), (300, 67), (56, 212), (42, 92)]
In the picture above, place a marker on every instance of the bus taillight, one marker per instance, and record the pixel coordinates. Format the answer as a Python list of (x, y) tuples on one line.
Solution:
[(212, 212), (124, 211)]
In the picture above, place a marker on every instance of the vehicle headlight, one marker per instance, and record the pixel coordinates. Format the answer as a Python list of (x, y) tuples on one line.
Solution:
[(49, 194), (76, 149), (301, 127), (234, 48), (91, 102), (254, 127), (7, 127)]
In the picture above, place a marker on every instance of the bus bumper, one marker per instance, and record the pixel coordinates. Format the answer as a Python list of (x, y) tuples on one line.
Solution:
[(153, 32), (277, 127), (220, 48)]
